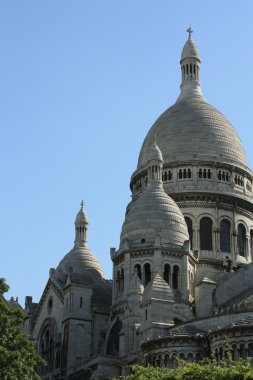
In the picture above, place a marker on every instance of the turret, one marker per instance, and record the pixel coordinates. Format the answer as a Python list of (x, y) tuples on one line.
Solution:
[(190, 68), (155, 164), (81, 224)]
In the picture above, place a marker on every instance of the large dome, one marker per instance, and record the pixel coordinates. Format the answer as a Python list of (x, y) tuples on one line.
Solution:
[(190, 129), (154, 214)]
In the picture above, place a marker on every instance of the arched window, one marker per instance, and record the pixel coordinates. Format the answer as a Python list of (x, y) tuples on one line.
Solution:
[(46, 347), (166, 274), (147, 274), (138, 267), (206, 225), (175, 277), (113, 339), (189, 226), (241, 240), (225, 236)]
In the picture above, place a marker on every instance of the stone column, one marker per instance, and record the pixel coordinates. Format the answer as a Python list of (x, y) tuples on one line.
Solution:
[(234, 243), (247, 247), (217, 241)]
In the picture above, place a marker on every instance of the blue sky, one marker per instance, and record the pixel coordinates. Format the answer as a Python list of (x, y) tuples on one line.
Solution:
[(81, 83)]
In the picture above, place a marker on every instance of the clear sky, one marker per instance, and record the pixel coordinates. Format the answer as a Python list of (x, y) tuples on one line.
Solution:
[(81, 83)]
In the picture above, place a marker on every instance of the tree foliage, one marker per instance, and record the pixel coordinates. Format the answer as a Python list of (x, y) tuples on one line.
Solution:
[(207, 369), (18, 358)]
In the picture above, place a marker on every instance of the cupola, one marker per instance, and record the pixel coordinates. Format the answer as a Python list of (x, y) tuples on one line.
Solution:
[(81, 224), (190, 68), (154, 215), (80, 260)]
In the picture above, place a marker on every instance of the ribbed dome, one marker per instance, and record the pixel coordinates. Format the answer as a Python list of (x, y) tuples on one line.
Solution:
[(190, 50), (192, 128), (154, 214), (78, 260)]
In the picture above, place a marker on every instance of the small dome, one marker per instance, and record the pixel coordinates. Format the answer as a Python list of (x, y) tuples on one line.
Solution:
[(79, 260), (81, 216), (190, 50), (154, 153), (154, 214)]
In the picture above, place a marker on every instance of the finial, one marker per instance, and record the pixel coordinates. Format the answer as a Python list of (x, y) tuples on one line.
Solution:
[(190, 31), (82, 204)]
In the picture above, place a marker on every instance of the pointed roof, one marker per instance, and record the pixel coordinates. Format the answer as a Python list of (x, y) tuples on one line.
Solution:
[(190, 49), (154, 153), (159, 289), (81, 216)]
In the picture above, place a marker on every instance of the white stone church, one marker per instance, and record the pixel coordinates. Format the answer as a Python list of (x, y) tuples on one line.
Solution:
[(182, 274)]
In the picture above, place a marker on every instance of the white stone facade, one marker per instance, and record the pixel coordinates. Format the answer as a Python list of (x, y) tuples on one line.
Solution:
[(182, 274)]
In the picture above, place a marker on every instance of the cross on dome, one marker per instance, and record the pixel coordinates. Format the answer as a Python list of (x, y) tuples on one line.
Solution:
[(82, 204), (190, 31)]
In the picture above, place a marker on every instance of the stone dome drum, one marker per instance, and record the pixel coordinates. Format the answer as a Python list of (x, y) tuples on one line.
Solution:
[(193, 129)]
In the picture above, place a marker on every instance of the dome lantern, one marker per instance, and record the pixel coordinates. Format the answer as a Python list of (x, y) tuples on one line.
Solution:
[(190, 68), (81, 224), (155, 163)]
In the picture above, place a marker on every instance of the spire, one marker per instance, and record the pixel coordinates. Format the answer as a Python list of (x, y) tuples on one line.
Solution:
[(81, 224), (155, 163), (190, 68)]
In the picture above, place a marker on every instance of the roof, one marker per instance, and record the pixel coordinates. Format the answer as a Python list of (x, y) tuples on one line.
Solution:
[(159, 289), (190, 50), (191, 129), (154, 214), (186, 330), (78, 260), (154, 153)]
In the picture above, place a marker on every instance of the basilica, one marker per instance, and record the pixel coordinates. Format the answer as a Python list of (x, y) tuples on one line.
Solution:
[(182, 273)]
